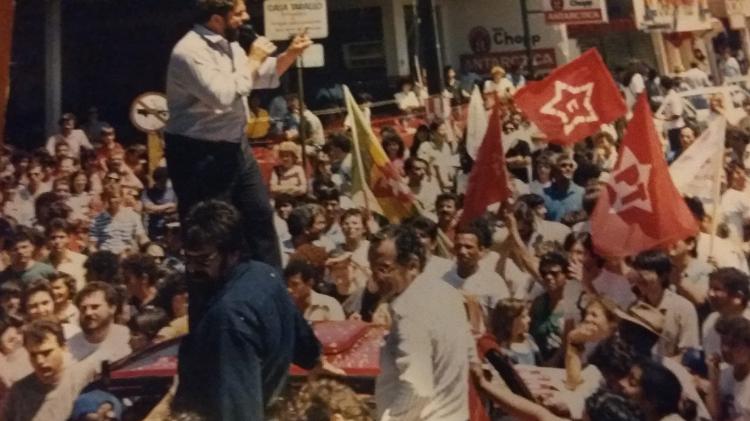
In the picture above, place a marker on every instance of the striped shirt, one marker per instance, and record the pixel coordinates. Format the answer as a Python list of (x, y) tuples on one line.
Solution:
[(118, 232)]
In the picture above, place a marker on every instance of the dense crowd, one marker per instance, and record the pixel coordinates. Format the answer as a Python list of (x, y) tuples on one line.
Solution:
[(91, 263)]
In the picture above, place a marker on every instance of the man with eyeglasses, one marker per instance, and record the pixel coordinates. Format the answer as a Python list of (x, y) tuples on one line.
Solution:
[(556, 309), (563, 196), (245, 330), (208, 78)]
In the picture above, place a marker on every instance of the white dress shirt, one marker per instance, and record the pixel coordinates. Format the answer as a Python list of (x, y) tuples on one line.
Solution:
[(424, 363), (207, 82)]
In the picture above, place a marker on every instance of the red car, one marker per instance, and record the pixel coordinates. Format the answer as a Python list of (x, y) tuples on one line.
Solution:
[(142, 379)]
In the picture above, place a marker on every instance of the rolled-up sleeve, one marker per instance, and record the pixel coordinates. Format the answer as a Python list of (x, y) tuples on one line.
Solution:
[(267, 77)]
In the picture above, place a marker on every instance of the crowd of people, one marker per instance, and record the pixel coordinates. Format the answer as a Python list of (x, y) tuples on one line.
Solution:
[(92, 268)]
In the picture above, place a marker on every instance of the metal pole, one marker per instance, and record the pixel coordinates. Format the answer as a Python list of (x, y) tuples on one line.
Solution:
[(527, 38), (417, 27), (438, 47), (302, 129)]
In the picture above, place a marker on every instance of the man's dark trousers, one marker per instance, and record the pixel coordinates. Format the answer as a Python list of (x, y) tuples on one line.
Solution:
[(202, 170)]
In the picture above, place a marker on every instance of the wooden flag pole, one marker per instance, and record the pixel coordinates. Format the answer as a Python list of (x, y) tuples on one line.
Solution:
[(357, 152), (716, 199)]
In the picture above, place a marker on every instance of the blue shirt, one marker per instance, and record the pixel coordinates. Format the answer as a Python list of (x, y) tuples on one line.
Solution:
[(244, 334), (561, 202)]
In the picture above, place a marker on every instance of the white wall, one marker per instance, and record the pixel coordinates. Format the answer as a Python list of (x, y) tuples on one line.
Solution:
[(501, 18)]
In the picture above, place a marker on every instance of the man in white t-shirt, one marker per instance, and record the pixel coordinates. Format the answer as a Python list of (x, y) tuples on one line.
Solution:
[(716, 250), (97, 303), (695, 77), (672, 115), (74, 138), (728, 294), (467, 275), (729, 66), (735, 202), (729, 394)]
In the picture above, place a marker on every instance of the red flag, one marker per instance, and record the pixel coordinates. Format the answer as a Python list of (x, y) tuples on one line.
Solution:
[(488, 181), (573, 101), (640, 207), (6, 32)]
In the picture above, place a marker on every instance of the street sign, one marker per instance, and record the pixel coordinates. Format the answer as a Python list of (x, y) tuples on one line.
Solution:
[(575, 11), (287, 18), (313, 57), (149, 112)]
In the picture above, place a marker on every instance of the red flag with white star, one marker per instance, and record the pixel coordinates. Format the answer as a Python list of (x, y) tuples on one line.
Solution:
[(573, 101), (640, 208)]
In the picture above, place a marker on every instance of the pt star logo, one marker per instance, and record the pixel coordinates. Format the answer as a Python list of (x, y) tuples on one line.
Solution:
[(630, 184), (572, 105)]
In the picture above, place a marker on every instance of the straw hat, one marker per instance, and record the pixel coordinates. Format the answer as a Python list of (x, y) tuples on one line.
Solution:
[(291, 147), (497, 69), (644, 315)]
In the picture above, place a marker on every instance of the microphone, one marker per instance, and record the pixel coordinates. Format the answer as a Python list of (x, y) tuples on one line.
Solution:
[(247, 36)]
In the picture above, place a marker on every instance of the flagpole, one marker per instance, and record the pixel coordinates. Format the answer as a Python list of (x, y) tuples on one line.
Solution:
[(719, 159), (358, 154)]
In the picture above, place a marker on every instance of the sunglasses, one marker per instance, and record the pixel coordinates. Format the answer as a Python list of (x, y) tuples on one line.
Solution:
[(550, 272)]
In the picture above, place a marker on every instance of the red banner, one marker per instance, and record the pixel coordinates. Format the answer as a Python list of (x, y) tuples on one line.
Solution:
[(6, 36)]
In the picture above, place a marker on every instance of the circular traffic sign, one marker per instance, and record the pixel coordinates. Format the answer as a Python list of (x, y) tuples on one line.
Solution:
[(149, 112)]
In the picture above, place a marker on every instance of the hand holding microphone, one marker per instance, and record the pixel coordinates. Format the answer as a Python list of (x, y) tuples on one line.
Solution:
[(258, 47)]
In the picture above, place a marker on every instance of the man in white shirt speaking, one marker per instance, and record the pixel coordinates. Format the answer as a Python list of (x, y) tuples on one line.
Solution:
[(208, 78), (424, 363)]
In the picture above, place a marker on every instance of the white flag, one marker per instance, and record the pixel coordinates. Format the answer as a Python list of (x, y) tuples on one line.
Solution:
[(476, 123), (696, 172)]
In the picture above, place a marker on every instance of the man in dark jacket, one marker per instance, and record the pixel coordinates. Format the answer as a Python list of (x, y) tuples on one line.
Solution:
[(244, 328)]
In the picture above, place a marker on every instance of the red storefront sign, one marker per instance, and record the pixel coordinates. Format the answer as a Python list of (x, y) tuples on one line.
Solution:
[(543, 58), (574, 16)]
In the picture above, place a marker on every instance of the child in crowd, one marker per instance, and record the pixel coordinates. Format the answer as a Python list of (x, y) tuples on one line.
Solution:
[(510, 325), (289, 176)]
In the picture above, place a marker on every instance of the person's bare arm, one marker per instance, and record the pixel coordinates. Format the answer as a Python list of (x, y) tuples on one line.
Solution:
[(515, 405), (713, 396)]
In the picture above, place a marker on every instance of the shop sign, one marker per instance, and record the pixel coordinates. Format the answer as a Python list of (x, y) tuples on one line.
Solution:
[(286, 18), (575, 11), (672, 16), (482, 63), (481, 40)]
